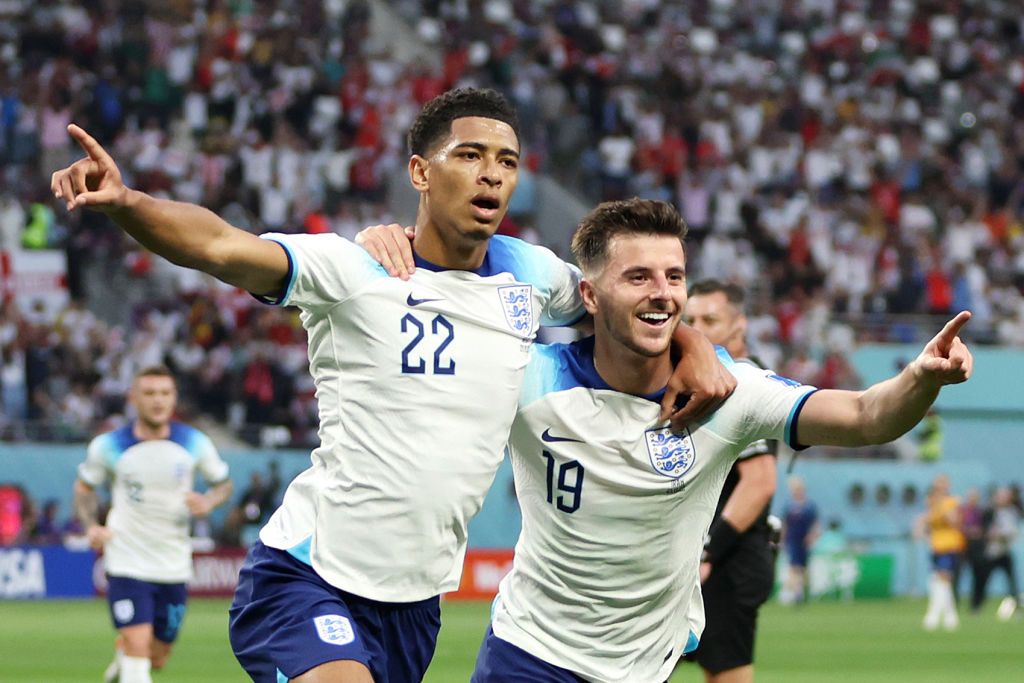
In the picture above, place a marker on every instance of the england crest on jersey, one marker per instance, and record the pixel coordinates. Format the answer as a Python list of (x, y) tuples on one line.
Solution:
[(671, 454), (517, 302), (334, 629)]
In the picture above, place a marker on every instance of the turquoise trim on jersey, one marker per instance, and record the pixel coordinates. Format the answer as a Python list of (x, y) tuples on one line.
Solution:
[(692, 641), (115, 443), (724, 357), (281, 678), (289, 279), (301, 550), (560, 367), (790, 433), (188, 438)]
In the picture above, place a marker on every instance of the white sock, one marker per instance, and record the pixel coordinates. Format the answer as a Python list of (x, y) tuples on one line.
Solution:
[(950, 619), (934, 611), (135, 670)]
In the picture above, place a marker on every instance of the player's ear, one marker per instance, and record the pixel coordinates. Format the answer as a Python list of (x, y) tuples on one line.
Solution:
[(741, 326), (419, 173), (589, 296)]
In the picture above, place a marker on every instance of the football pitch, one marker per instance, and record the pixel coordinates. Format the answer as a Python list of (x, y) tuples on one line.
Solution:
[(52, 642)]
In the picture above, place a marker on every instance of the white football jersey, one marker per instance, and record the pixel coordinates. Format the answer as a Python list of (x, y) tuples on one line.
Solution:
[(149, 519), (417, 383), (605, 581)]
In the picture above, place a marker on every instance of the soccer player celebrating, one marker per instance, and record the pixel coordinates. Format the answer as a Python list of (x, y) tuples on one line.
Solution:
[(738, 568), (605, 582), (417, 382), (147, 553)]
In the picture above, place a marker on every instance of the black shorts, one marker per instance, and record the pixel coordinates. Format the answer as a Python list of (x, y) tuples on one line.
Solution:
[(732, 595)]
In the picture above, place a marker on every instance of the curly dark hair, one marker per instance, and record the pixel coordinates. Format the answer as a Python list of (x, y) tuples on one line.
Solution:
[(434, 121), (626, 217)]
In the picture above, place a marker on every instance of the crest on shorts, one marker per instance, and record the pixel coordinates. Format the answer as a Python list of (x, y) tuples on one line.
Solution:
[(124, 610), (334, 629), (517, 302), (671, 454)]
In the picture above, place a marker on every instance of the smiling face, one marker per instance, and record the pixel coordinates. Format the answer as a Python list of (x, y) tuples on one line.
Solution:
[(638, 296), (155, 398), (466, 180)]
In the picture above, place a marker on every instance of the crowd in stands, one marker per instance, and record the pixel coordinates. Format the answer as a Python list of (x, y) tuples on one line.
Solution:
[(847, 160)]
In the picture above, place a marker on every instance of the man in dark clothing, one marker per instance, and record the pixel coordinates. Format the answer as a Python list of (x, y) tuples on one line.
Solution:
[(738, 567)]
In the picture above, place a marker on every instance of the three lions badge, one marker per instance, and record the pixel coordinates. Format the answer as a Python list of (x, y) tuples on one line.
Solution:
[(671, 454)]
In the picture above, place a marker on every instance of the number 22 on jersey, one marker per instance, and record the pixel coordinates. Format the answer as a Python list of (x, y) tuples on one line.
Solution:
[(427, 336)]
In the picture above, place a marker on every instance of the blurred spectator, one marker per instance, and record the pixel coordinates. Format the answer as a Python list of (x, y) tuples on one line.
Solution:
[(842, 161)]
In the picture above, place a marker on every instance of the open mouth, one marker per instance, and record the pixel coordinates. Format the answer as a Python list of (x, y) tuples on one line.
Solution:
[(485, 207), (654, 319)]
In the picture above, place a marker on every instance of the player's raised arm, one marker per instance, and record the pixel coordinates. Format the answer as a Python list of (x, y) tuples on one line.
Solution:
[(891, 408), (185, 234)]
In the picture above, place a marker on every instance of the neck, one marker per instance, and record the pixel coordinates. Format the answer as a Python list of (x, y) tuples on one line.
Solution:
[(448, 251), (738, 349), (146, 432), (628, 371)]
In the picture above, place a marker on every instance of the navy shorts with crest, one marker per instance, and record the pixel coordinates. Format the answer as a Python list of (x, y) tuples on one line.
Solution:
[(285, 620)]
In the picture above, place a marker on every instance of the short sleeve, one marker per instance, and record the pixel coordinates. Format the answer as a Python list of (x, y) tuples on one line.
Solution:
[(323, 270), (95, 470), (764, 406), (208, 460), (565, 302)]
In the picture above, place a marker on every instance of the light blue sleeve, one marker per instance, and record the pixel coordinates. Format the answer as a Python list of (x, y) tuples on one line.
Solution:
[(208, 460), (100, 457), (323, 270), (544, 373)]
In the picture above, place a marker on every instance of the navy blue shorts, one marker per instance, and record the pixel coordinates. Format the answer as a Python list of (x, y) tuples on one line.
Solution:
[(500, 661), (945, 562), (798, 555), (143, 602), (286, 620)]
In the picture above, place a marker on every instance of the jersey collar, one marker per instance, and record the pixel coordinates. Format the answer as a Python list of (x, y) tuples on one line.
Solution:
[(485, 269), (581, 365)]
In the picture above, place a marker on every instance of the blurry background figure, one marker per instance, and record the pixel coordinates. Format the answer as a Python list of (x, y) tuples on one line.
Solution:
[(799, 531), (1002, 522), (930, 435), (942, 523), (972, 523)]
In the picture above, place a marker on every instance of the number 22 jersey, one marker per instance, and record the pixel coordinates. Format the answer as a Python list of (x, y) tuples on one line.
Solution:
[(417, 383)]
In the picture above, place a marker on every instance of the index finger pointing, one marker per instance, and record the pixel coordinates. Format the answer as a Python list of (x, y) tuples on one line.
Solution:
[(88, 144), (952, 328)]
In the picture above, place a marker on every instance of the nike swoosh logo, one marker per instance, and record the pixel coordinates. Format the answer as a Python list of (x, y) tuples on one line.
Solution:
[(546, 436), (416, 302)]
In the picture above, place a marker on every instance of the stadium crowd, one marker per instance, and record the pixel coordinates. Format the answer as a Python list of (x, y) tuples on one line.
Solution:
[(845, 160)]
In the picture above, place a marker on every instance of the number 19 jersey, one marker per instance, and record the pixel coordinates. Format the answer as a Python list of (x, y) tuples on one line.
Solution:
[(615, 509), (417, 383)]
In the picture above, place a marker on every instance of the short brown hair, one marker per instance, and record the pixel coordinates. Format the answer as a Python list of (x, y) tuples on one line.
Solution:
[(155, 371), (626, 217), (734, 294)]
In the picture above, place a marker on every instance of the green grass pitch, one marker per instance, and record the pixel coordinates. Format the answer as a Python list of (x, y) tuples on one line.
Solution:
[(57, 642)]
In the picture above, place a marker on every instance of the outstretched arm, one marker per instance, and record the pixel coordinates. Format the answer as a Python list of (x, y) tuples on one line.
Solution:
[(185, 234), (891, 408)]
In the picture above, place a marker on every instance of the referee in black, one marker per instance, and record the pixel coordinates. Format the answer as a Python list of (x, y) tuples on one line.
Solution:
[(738, 570)]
